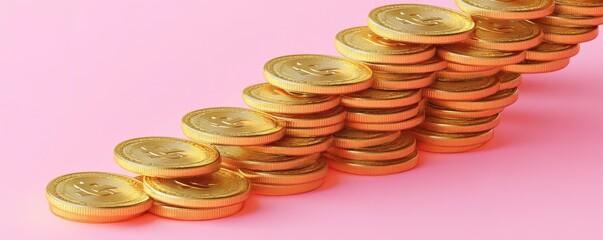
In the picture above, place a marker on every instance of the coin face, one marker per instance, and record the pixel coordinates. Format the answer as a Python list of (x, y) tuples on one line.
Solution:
[(581, 3), (266, 97), (242, 154), (508, 9), (420, 23), (156, 156), (317, 74), (506, 35), (580, 7), (95, 190), (232, 126)]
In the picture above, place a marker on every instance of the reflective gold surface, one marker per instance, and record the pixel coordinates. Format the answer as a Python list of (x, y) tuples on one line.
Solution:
[(508, 9), (268, 98)]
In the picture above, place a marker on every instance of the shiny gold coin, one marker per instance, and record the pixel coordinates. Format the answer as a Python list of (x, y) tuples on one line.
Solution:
[(194, 214), (315, 132), (443, 149), (268, 98), (569, 34), (243, 158), (310, 173), (351, 139), (451, 139), (166, 157), (218, 189), (501, 99), (393, 81), (451, 74), (460, 125), (386, 127), (580, 7), (398, 148), (97, 197), (317, 74), (295, 146), (466, 68), (441, 112), (505, 35), (320, 119), (284, 190), (383, 115), (361, 44), (375, 98), (508, 9), (232, 126), (373, 168), (470, 89), (465, 54), (432, 65), (417, 23), (509, 80), (537, 66), (552, 51), (560, 19)]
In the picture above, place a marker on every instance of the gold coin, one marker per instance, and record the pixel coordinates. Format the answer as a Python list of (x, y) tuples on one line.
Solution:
[(218, 189), (451, 139), (398, 148), (97, 197), (417, 23), (351, 139), (560, 19), (317, 74), (580, 7), (383, 115), (552, 51), (361, 44), (166, 157), (310, 173), (451, 74), (315, 132), (460, 125), (569, 34), (243, 158), (441, 112), (194, 214), (393, 81), (395, 126), (537, 66), (375, 98), (508, 9), (432, 65), (295, 146), (505, 35), (469, 55), (466, 68), (443, 149), (268, 98), (501, 99), (283, 190), (455, 90), (232, 126), (509, 80), (373, 168), (320, 119)]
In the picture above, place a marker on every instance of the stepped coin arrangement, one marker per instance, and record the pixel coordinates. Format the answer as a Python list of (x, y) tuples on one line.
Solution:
[(418, 77)]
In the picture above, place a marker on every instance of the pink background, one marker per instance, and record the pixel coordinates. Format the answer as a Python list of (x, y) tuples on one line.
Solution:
[(77, 77)]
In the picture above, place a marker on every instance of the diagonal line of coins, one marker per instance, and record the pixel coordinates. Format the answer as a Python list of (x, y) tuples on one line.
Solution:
[(418, 77)]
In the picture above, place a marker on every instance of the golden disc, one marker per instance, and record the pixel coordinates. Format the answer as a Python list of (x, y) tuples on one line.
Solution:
[(361, 44), (194, 214), (310, 173), (537, 66), (417, 23), (315, 132), (451, 139), (552, 51), (505, 35), (560, 19), (470, 89), (451, 74), (378, 99), (569, 34), (441, 112), (400, 147), (320, 119), (268, 98), (77, 217), (443, 149), (295, 146), (469, 55), (386, 127), (383, 115), (243, 158), (460, 125), (309, 73), (580, 7), (429, 66), (393, 81), (373, 168), (351, 139), (508, 9), (466, 68), (501, 99), (218, 189), (232, 126), (284, 190), (166, 157), (509, 80)]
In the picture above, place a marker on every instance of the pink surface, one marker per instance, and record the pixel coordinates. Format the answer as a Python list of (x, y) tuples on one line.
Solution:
[(77, 77)]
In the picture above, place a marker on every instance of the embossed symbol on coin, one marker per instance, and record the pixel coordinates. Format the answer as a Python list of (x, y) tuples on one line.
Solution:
[(201, 185), (495, 27), (227, 122), (314, 69), (376, 39), (158, 151), (416, 19), (94, 189)]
